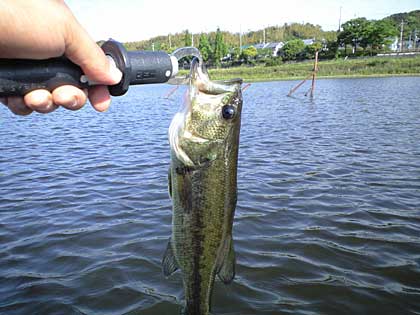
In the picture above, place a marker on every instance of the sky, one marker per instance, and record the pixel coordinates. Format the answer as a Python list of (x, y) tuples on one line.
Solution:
[(132, 20)]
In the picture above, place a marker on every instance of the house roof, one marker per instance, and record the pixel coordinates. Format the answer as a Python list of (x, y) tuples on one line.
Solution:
[(308, 41), (260, 46), (273, 45)]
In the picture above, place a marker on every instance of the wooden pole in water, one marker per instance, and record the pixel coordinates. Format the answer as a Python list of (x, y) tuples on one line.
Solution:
[(246, 86), (314, 74), (297, 86), (172, 91)]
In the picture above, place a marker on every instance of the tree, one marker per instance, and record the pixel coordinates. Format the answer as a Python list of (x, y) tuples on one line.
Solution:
[(204, 47), (354, 32), (366, 34), (411, 21), (164, 47), (381, 32), (311, 49), (235, 54), (249, 53), (187, 39), (264, 52), (220, 49), (292, 48), (331, 50)]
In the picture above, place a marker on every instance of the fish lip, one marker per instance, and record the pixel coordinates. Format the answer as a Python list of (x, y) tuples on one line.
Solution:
[(176, 127), (200, 81)]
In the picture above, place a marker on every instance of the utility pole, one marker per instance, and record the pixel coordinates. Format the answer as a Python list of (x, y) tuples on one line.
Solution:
[(170, 42), (264, 36), (401, 35), (339, 21), (240, 39)]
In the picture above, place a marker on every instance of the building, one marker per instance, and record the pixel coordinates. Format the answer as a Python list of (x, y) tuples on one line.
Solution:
[(274, 47), (308, 41), (393, 44)]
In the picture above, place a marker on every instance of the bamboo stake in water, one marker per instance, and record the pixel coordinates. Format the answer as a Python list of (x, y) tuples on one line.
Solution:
[(313, 74), (299, 85)]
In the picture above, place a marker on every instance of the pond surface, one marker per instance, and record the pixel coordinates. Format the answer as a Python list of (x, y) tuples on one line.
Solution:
[(327, 222)]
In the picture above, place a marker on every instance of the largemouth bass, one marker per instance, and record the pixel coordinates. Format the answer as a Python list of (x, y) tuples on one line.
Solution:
[(204, 140)]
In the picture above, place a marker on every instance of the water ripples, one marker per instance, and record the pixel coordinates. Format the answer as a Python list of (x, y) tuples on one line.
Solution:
[(328, 219)]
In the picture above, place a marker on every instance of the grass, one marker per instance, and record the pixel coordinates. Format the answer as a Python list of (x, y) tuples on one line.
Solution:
[(373, 66)]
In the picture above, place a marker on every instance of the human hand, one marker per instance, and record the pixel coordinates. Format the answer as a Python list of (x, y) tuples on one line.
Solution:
[(41, 29)]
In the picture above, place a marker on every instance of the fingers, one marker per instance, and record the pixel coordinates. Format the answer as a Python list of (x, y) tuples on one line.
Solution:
[(73, 98), (82, 50), (40, 101), (17, 105), (69, 97), (66, 96), (99, 98)]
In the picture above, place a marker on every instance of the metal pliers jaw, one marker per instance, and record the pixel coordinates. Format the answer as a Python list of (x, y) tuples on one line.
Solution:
[(182, 53)]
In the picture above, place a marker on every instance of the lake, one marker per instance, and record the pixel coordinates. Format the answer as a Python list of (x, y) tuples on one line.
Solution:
[(327, 222)]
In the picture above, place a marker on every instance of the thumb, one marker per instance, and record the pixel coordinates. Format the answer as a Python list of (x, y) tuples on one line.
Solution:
[(82, 50)]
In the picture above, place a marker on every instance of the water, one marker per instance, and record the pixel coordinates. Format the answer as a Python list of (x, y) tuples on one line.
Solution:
[(328, 217)]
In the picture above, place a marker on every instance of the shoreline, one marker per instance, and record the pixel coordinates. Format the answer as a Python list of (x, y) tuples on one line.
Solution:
[(328, 69), (356, 76)]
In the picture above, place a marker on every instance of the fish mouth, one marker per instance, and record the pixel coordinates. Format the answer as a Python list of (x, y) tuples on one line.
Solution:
[(198, 79), (175, 129), (199, 83)]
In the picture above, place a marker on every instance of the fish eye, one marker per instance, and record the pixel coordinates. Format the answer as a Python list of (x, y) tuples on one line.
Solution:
[(228, 112)]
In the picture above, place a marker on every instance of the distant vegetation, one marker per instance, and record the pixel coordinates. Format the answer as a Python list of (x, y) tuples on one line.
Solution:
[(282, 33), (357, 37), (372, 66)]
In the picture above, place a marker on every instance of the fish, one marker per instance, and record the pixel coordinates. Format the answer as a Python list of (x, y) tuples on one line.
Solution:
[(204, 141)]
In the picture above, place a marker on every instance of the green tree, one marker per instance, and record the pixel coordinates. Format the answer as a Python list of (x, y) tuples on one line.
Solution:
[(292, 48), (366, 34), (311, 49), (411, 22), (264, 52), (235, 54), (249, 53), (164, 47), (331, 50), (381, 31), (220, 49), (204, 47), (354, 32), (187, 38)]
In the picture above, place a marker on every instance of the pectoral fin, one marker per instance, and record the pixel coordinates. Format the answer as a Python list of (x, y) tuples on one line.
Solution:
[(227, 269), (169, 263)]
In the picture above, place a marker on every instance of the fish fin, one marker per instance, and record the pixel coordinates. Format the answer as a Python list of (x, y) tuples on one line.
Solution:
[(169, 263), (170, 182), (226, 272)]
